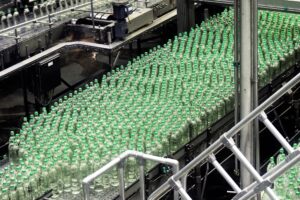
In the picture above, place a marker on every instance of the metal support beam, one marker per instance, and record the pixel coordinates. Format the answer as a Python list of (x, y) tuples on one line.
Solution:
[(248, 27), (142, 178), (185, 15), (223, 172), (237, 60), (121, 180)]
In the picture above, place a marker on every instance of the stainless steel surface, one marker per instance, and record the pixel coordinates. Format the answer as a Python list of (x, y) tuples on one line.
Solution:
[(43, 17), (237, 60), (280, 5), (248, 27), (271, 176), (142, 179), (98, 47), (139, 18), (252, 171), (217, 144), (264, 119), (121, 181), (225, 175)]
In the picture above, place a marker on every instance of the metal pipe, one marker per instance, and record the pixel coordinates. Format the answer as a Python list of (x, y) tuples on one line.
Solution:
[(42, 18), (184, 181), (264, 119), (203, 155), (237, 37), (224, 174), (45, 53), (116, 59), (121, 158), (183, 194), (254, 74), (93, 17), (105, 168), (250, 168), (142, 179), (121, 180), (246, 144), (271, 177)]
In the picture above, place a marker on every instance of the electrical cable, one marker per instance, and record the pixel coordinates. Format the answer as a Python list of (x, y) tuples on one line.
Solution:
[(281, 125), (204, 181)]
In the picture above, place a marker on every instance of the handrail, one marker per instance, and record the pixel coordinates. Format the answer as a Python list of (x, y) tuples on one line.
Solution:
[(226, 140), (119, 161), (33, 59)]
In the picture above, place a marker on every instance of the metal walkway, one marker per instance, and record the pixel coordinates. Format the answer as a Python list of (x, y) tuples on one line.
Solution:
[(178, 180)]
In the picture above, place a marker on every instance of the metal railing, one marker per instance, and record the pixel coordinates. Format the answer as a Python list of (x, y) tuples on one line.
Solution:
[(119, 163), (262, 183), (45, 17)]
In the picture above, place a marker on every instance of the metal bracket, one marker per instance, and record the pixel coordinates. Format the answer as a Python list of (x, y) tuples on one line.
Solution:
[(173, 183), (239, 195), (292, 155), (262, 116), (211, 158), (262, 186), (227, 142)]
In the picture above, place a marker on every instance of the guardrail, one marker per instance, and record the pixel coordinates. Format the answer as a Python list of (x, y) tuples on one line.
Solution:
[(119, 163), (261, 182)]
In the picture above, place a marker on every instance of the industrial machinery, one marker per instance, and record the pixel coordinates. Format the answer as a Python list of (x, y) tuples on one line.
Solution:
[(173, 104)]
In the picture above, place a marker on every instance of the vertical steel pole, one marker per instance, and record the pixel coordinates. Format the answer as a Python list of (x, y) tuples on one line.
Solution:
[(93, 15), (142, 178), (237, 60), (121, 180), (256, 140), (248, 63)]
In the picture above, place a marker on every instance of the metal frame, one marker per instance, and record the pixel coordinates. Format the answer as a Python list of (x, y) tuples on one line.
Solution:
[(43, 17), (111, 48), (276, 5), (119, 163), (262, 182)]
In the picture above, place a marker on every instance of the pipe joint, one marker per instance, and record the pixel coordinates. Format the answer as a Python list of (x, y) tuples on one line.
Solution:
[(227, 142), (239, 195), (262, 186), (211, 158), (263, 116), (293, 155), (174, 184)]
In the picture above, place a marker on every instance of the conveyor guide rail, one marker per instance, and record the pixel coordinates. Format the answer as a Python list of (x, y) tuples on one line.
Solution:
[(261, 183)]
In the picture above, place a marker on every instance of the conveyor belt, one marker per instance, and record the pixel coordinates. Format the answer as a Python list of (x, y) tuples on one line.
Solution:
[(159, 102)]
